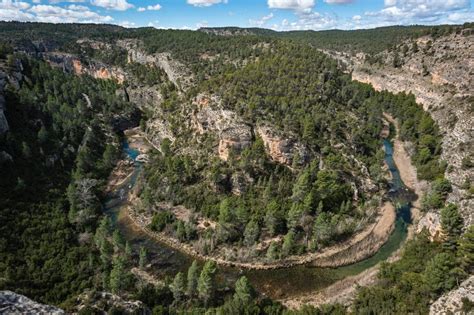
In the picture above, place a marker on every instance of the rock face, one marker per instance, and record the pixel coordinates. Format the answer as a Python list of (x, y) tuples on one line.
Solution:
[(234, 135), (102, 302), (12, 303), (431, 222), (440, 76), (282, 149), (451, 303), (72, 64), (176, 72)]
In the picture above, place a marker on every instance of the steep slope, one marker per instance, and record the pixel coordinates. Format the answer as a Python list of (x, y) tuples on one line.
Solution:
[(438, 71)]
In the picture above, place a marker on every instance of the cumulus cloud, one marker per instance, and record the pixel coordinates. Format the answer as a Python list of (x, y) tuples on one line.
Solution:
[(291, 4), (419, 11), (72, 14), (205, 3), (309, 21), (118, 5), (58, 1), (127, 24), (14, 11), (338, 1), (13, 5), (262, 21), (22, 11), (155, 7)]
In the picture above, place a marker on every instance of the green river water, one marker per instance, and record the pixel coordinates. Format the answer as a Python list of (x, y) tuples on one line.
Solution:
[(277, 283)]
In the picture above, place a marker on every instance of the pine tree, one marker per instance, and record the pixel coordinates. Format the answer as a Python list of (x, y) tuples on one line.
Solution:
[(243, 291), (272, 251), (288, 244), (193, 277), (251, 233), (225, 214), (178, 286), (118, 239), (452, 224), (466, 250), (143, 260), (206, 284), (128, 251), (442, 273), (118, 275)]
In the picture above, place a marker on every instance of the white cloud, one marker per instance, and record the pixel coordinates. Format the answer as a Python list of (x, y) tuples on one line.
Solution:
[(338, 1), (262, 21), (390, 3), (76, 7), (73, 14), (70, 1), (291, 4), (12, 13), (202, 24), (356, 18), (13, 5), (118, 5), (155, 7), (310, 21), (419, 11), (205, 3), (127, 24)]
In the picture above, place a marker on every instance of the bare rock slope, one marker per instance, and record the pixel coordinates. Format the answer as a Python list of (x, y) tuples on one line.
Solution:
[(440, 73), (13, 303)]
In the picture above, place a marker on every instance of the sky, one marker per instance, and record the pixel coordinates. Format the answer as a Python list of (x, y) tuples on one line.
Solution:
[(280, 15)]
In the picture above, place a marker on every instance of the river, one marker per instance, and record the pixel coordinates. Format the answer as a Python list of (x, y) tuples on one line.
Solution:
[(276, 283)]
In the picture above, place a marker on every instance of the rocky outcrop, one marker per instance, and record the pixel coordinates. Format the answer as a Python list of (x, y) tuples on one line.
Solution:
[(71, 64), (234, 135), (176, 71), (105, 301), (440, 76), (282, 149), (12, 303), (452, 302), (431, 222), (157, 130)]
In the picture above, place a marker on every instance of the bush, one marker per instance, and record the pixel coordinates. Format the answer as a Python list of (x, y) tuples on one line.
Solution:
[(161, 219)]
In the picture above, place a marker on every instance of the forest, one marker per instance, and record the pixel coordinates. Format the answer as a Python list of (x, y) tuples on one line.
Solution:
[(65, 138)]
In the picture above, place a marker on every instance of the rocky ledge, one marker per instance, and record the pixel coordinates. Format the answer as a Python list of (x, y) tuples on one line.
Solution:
[(452, 302), (13, 303)]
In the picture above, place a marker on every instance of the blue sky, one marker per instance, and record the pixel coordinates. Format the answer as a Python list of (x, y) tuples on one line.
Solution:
[(275, 14)]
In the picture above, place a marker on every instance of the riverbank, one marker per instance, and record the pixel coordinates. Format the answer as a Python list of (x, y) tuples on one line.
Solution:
[(343, 291), (359, 247), (406, 169)]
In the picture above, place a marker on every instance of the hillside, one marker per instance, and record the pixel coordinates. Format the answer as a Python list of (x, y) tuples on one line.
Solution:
[(242, 148)]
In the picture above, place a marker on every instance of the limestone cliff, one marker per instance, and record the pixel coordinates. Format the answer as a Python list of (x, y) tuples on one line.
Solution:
[(439, 72), (452, 302), (176, 71), (209, 116), (282, 149)]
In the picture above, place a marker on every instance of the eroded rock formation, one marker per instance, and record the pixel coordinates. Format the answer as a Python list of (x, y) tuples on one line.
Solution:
[(440, 76), (282, 149)]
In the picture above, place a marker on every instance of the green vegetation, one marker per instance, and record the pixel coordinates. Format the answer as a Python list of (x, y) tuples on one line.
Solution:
[(64, 139), (56, 140), (425, 271)]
